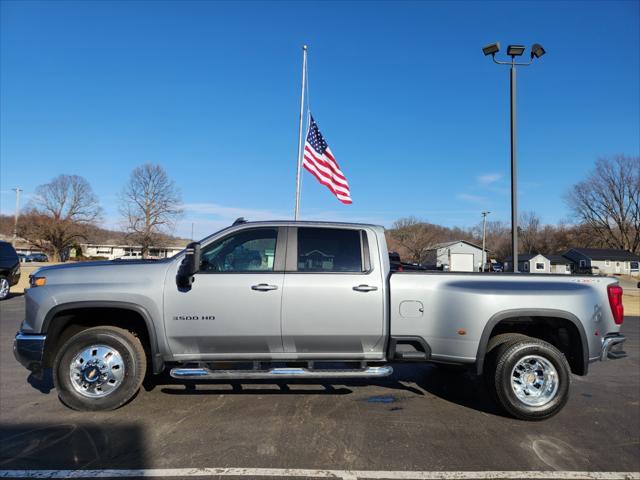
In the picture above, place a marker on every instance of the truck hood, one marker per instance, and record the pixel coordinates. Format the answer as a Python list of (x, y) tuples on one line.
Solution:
[(123, 271), (101, 263)]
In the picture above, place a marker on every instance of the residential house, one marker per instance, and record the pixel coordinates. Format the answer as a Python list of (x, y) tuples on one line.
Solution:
[(608, 261), (539, 263), (529, 262)]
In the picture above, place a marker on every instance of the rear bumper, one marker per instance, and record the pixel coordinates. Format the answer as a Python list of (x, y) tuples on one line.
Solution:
[(28, 350), (612, 347)]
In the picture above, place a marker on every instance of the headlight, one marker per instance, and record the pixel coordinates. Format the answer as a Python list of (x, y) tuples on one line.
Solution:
[(37, 281)]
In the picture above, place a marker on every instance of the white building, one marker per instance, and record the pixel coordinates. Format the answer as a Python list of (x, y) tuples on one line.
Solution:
[(608, 261), (129, 252), (456, 256)]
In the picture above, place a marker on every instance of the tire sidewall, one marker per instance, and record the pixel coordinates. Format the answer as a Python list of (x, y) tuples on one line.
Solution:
[(510, 357), (134, 370)]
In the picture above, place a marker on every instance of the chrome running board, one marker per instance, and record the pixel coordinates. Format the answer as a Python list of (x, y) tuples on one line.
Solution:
[(210, 374)]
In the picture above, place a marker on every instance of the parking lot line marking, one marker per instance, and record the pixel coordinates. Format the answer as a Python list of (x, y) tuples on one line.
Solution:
[(341, 474)]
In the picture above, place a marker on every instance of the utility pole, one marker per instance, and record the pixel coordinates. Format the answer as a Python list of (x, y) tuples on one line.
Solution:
[(191, 231), (17, 214), (484, 236)]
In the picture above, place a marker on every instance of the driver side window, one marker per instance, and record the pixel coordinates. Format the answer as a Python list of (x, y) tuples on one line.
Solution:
[(246, 251)]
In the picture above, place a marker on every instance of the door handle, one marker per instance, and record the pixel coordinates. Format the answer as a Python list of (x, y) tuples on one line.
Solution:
[(263, 287), (365, 288)]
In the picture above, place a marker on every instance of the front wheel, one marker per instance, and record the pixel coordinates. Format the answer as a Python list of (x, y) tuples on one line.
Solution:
[(529, 378), (99, 368)]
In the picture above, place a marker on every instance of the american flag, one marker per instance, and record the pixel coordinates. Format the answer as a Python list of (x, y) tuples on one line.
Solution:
[(319, 161)]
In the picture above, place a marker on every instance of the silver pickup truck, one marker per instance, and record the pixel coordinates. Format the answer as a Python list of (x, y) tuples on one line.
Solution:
[(310, 300)]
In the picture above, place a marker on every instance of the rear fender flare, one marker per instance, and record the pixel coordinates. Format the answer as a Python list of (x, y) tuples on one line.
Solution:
[(539, 312)]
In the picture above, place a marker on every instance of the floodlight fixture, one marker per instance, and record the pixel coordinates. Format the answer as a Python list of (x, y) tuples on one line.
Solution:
[(491, 49), (515, 50), (537, 50)]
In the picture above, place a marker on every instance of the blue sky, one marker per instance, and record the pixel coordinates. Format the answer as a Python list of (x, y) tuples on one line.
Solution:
[(416, 116)]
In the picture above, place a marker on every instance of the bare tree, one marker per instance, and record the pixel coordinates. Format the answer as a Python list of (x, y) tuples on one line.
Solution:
[(150, 204), (414, 237), (608, 201), (529, 232), (497, 240), (60, 214)]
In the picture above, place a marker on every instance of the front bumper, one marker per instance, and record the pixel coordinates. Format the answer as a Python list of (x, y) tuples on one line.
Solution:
[(612, 347), (29, 349)]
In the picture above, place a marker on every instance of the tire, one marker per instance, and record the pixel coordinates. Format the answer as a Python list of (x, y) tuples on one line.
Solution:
[(503, 338), (100, 368), (4, 287), (529, 378)]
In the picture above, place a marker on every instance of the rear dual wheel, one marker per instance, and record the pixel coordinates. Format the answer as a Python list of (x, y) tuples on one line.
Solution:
[(528, 377), (99, 368)]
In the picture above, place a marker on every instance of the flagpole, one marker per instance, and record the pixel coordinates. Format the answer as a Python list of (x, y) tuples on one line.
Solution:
[(304, 72)]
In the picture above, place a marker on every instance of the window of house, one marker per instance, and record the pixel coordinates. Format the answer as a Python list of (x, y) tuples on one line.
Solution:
[(245, 251), (607, 263), (329, 250), (583, 263), (539, 266), (526, 266)]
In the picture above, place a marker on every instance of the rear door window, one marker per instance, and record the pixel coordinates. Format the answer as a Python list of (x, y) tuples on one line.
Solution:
[(329, 250)]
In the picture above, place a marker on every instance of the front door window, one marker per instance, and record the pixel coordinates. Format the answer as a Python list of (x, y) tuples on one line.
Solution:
[(247, 251)]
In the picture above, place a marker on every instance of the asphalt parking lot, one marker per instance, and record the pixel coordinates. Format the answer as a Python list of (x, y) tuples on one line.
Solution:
[(422, 419)]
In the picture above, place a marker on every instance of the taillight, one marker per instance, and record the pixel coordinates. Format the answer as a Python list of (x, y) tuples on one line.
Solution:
[(615, 302), (400, 269)]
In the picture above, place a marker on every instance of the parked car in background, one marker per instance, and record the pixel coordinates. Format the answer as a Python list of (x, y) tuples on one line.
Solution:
[(9, 268), (37, 257), (496, 267), (397, 265)]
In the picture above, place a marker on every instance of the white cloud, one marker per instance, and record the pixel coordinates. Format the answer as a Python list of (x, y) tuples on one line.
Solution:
[(488, 178)]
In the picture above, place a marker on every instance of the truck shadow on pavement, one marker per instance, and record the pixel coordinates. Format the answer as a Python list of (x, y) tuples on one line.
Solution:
[(455, 386), (458, 386)]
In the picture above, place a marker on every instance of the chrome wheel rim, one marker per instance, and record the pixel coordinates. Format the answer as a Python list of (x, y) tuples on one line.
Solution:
[(97, 371), (534, 380), (4, 287)]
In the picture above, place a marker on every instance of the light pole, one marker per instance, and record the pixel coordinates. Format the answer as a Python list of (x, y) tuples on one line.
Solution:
[(484, 236), (514, 51)]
